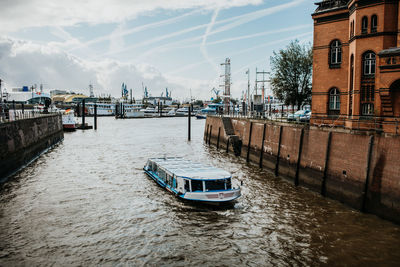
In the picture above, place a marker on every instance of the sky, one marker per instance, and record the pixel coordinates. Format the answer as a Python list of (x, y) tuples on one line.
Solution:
[(174, 44)]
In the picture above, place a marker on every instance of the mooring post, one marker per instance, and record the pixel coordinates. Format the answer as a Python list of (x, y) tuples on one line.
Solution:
[(328, 148), (189, 117), (227, 144), (83, 114), (206, 133), (249, 143), (365, 192), (219, 132), (279, 151), (209, 137), (95, 116), (296, 177), (262, 147)]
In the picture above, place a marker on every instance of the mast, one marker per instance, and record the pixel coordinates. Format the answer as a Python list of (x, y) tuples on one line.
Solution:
[(227, 84)]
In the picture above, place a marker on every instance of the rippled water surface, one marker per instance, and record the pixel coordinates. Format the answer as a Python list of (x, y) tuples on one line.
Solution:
[(88, 202)]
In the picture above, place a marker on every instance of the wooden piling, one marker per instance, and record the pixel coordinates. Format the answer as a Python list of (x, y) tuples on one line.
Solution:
[(296, 177), (328, 148), (209, 137), (262, 147), (189, 118), (249, 143), (279, 151), (206, 133), (83, 113), (95, 116), (219, 132), (227, 144), (367, 168)]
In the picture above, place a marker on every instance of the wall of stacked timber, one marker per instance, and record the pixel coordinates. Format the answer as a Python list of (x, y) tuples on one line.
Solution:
[(360, 169)]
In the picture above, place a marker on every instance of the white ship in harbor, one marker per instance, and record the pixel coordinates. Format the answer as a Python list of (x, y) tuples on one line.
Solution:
[(192, 181), (103, 109), (133, 111)]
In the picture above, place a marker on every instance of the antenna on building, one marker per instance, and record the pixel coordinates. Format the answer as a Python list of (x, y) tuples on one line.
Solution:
[(227, 83), (91, 90)]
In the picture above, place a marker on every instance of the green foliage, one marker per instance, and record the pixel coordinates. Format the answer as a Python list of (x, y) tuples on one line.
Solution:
[(291, 74), (217, 100), (198, 103)]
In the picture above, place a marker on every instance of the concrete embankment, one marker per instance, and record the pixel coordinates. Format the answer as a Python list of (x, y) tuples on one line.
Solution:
[(22, 141), (357, 168)]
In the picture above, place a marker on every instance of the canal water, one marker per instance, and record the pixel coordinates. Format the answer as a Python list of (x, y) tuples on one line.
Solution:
[(88, 202)]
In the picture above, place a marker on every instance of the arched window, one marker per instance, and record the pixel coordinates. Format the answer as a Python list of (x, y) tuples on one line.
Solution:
[(374, 23), (334, 101), (364, 25), (369, 62), (336, 53)]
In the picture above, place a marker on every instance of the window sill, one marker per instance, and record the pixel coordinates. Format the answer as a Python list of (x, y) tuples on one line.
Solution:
[(335, 66)]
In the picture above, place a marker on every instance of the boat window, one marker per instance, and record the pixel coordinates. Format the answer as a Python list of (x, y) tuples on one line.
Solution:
[(197, 185), (228, 184), (169, 179), (161, 174), (154, 167), (215, 185), (187, 186)]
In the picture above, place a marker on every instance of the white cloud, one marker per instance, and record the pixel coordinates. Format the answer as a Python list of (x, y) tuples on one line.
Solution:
[(25, 63), (19, 14)]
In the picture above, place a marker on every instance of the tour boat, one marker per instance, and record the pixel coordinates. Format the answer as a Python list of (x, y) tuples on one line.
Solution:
[(211, 109), (68, 120), (102, 109), (181, 112), (133, 111), (192, 181)]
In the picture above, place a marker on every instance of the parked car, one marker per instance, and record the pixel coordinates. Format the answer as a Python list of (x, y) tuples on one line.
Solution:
[(306, 117), (297, 115)]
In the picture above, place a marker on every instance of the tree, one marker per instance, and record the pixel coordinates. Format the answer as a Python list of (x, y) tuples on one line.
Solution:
[(198, 103), (217, 100), (291, 73)]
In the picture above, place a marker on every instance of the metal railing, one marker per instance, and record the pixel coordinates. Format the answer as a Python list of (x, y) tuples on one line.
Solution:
[(14, 115), (362, 123)]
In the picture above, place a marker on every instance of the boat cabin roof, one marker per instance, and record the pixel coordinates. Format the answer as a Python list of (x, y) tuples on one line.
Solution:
[(188, 169)]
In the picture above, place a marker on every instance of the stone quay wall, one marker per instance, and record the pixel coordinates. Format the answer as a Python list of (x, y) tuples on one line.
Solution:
[(24, 140), (360, 169)]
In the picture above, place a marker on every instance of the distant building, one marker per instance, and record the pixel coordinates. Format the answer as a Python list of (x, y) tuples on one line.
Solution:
[(58, 92), (26, 97), (72, 98), (156, 99), (356, 63)]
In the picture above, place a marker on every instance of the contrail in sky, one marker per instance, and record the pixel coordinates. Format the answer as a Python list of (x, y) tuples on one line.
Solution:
[(237, 21), (203, 48)]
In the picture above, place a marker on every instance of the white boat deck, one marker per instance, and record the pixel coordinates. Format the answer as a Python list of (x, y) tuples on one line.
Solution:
[(188, 169)]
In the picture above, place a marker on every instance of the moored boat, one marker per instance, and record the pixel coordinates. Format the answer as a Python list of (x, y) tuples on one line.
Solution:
[(102, 109), (133, 111), (68, 120), (192, 181)]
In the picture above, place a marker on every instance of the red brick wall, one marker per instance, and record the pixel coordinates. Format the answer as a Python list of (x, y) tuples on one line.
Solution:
[(347, 164)]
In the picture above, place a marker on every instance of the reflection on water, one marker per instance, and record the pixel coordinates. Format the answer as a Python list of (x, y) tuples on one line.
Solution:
[(88, 202)]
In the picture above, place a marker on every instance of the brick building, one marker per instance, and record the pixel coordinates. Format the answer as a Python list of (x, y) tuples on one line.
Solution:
[(356, 65)]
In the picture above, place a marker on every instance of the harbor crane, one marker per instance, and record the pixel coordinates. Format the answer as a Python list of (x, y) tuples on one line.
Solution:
[(216, 92)]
